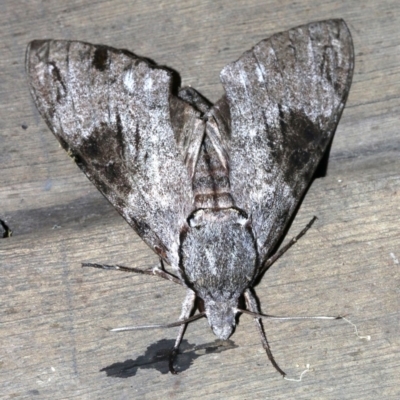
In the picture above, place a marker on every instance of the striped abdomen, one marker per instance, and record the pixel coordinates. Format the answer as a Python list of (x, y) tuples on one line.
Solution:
[(210, 182)]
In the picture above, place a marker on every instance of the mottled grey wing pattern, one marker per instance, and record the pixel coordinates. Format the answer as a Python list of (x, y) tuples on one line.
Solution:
[(111, 111), (285, 99)]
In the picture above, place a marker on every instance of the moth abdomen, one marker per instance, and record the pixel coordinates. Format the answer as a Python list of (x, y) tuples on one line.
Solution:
[(211, 186)]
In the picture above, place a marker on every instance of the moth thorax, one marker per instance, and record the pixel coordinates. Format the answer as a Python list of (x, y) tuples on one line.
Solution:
[(219, 261)]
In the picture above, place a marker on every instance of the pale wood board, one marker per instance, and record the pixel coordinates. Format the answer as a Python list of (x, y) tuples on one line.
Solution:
[(53, 313)]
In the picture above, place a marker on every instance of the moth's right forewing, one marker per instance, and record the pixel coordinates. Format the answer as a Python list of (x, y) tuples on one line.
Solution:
[(111, 111), (285, 98)]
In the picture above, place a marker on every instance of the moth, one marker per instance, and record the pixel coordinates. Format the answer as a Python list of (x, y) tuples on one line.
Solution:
[(209, 187)]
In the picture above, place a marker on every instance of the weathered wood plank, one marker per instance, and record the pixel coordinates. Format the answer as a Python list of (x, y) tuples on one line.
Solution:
[(53, 313)]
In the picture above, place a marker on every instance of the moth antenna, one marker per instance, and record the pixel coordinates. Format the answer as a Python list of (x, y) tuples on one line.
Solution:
[(159, 326), (367, 337), (150, 271), (285, 248), (301, 375), (259, 315)]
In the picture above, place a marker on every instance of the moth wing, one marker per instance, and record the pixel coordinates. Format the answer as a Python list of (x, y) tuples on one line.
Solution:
[(111, 111), (285, 98)]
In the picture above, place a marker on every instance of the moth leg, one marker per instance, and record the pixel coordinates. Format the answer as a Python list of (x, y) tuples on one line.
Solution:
[(162, 273), (285, 248), (187, 308), (252, 305)]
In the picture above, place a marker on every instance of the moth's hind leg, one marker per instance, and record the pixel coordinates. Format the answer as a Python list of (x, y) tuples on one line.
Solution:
[(161, 272), (252, 306), (187, 308)]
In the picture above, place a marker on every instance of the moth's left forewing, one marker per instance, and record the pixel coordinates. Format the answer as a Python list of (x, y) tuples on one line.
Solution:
[(111, 111), (285, 98)]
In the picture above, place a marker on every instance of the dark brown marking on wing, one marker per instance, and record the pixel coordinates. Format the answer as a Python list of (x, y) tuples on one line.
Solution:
[(137, 141), (96, 150), (100, 58), (140, 227), (61, 91)]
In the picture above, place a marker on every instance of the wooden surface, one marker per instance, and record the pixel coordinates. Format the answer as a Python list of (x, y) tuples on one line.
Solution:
[(53, 314)]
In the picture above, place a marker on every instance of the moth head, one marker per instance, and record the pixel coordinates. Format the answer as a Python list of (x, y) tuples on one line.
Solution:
[(221, 317), (219, 261)]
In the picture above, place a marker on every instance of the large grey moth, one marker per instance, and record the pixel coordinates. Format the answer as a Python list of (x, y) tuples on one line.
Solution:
[(210, 188)]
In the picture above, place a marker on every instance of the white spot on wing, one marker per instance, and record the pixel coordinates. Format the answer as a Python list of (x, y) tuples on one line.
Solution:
[(148, 84), (129, 81), (259, 74)]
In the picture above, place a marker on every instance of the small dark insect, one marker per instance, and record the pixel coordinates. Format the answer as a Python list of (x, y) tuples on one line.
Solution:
[(5, 231), (210, 188)]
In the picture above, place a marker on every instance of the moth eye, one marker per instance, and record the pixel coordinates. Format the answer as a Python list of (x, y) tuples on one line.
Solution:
[(197, 220), (196, 224), (242, 223)]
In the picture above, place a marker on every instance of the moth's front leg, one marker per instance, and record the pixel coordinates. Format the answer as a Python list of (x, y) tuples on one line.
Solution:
[(187, 308), (251, 304)]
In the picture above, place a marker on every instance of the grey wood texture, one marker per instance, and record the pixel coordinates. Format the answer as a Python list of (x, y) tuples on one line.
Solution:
[(54, 315)]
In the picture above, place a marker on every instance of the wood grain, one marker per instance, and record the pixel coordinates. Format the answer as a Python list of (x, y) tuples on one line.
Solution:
[(54, 314)]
